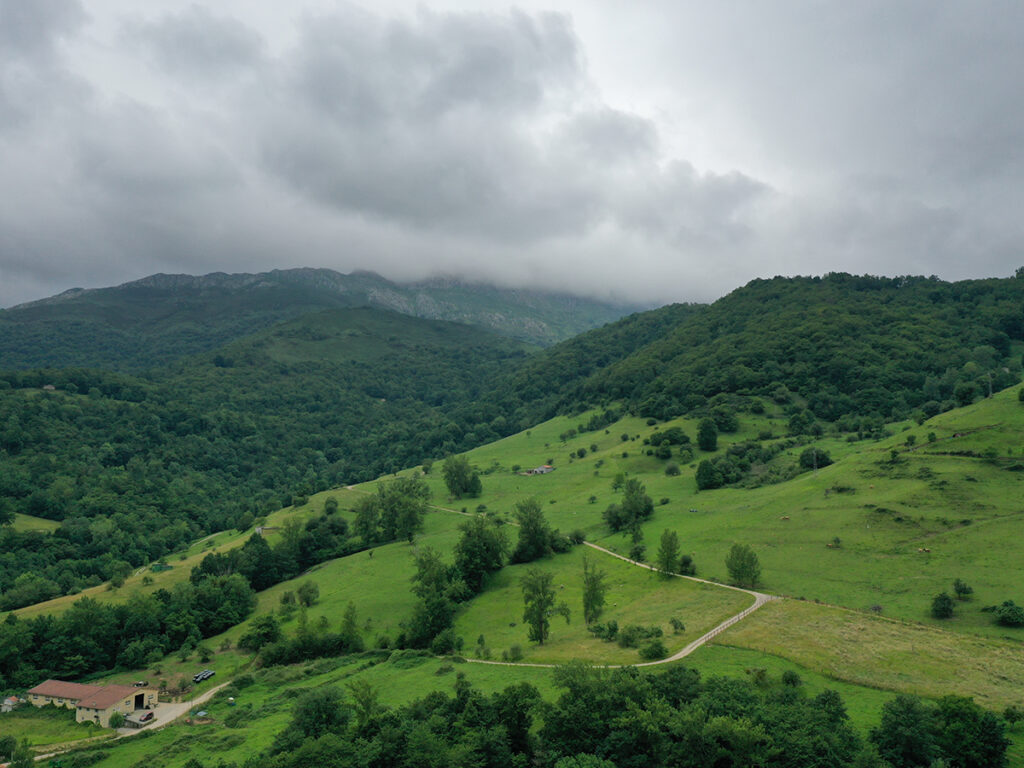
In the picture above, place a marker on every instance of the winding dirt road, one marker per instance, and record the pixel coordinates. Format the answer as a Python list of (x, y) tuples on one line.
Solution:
[(760, 599)]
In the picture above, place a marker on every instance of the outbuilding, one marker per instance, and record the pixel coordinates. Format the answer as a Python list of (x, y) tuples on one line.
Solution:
[(94, 703)]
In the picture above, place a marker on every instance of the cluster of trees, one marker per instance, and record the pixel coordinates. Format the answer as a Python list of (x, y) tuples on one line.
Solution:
[(296, 548), (670, 558), (308, 642), (626, 719), (636, 507), (743, 566), (93, 637), (536, 538), (1007, 613), (460, 478), (395, 511), (481, 550)]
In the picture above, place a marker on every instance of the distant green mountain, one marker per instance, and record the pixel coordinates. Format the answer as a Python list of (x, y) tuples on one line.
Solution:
[(166, 317)]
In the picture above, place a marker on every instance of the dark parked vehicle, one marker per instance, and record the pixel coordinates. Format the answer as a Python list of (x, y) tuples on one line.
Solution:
[(146, 717)]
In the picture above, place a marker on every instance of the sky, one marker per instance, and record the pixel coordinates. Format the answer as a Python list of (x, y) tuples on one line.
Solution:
[(653, 151)]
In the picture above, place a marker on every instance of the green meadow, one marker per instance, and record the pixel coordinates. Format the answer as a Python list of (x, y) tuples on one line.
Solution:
[(29, 523), (48, 725)]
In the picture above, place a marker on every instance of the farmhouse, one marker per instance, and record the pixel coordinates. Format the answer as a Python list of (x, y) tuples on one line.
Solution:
[(543, 469), (93, 703)]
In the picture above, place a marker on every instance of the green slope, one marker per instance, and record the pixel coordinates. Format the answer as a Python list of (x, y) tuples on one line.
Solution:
[(850, 349)]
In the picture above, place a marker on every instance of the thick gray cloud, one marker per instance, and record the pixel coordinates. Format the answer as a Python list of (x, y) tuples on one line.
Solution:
[(661, 152)]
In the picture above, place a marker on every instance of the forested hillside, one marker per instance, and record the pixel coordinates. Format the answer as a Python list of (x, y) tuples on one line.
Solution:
[(137, 466), (847, 348), (163, 318)]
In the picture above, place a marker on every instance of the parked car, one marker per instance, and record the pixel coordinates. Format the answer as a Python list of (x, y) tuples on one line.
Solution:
[(140, 683), (146, 717)]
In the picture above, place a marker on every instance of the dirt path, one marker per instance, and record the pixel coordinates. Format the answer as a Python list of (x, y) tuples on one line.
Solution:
[(759, 599)]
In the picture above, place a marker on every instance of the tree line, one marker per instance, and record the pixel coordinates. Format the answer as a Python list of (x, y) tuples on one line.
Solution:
[(625, 719)]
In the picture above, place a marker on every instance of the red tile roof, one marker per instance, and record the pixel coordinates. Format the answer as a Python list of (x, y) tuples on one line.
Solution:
[(107, 696), (92, 696), (58, 689)]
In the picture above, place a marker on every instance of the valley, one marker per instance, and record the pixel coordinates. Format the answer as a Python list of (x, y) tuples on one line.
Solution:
[(857, 541)]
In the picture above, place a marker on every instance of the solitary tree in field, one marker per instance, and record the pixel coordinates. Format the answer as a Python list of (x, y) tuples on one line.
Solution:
[(743, 565), (539, 604), (963, 589), (668, 553), (594, 588)]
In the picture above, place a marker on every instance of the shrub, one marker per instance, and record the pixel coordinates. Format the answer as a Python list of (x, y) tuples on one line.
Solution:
[(607, 632), (814, 458), (1009, 614), (444, 644), (672, 469), (632, 635), (654, 650), (791, 678), (942, 606)]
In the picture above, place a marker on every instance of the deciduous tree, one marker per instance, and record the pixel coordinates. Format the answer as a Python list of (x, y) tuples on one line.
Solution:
[(668, 553), (534, 532), (539, 604), (743, 565), (594, 589), (707, 435)]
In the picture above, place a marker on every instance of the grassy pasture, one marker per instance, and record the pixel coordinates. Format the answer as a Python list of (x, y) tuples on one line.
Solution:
[(46, 725), (966, 509), (24, 523), (635, 596), (894, 655)]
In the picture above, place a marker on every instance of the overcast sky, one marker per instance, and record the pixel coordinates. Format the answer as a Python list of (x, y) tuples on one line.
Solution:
[(648, 150)]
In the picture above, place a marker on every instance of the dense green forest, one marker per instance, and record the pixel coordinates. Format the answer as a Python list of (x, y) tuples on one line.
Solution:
[(845, 347), (137, 464), (135, 467)]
